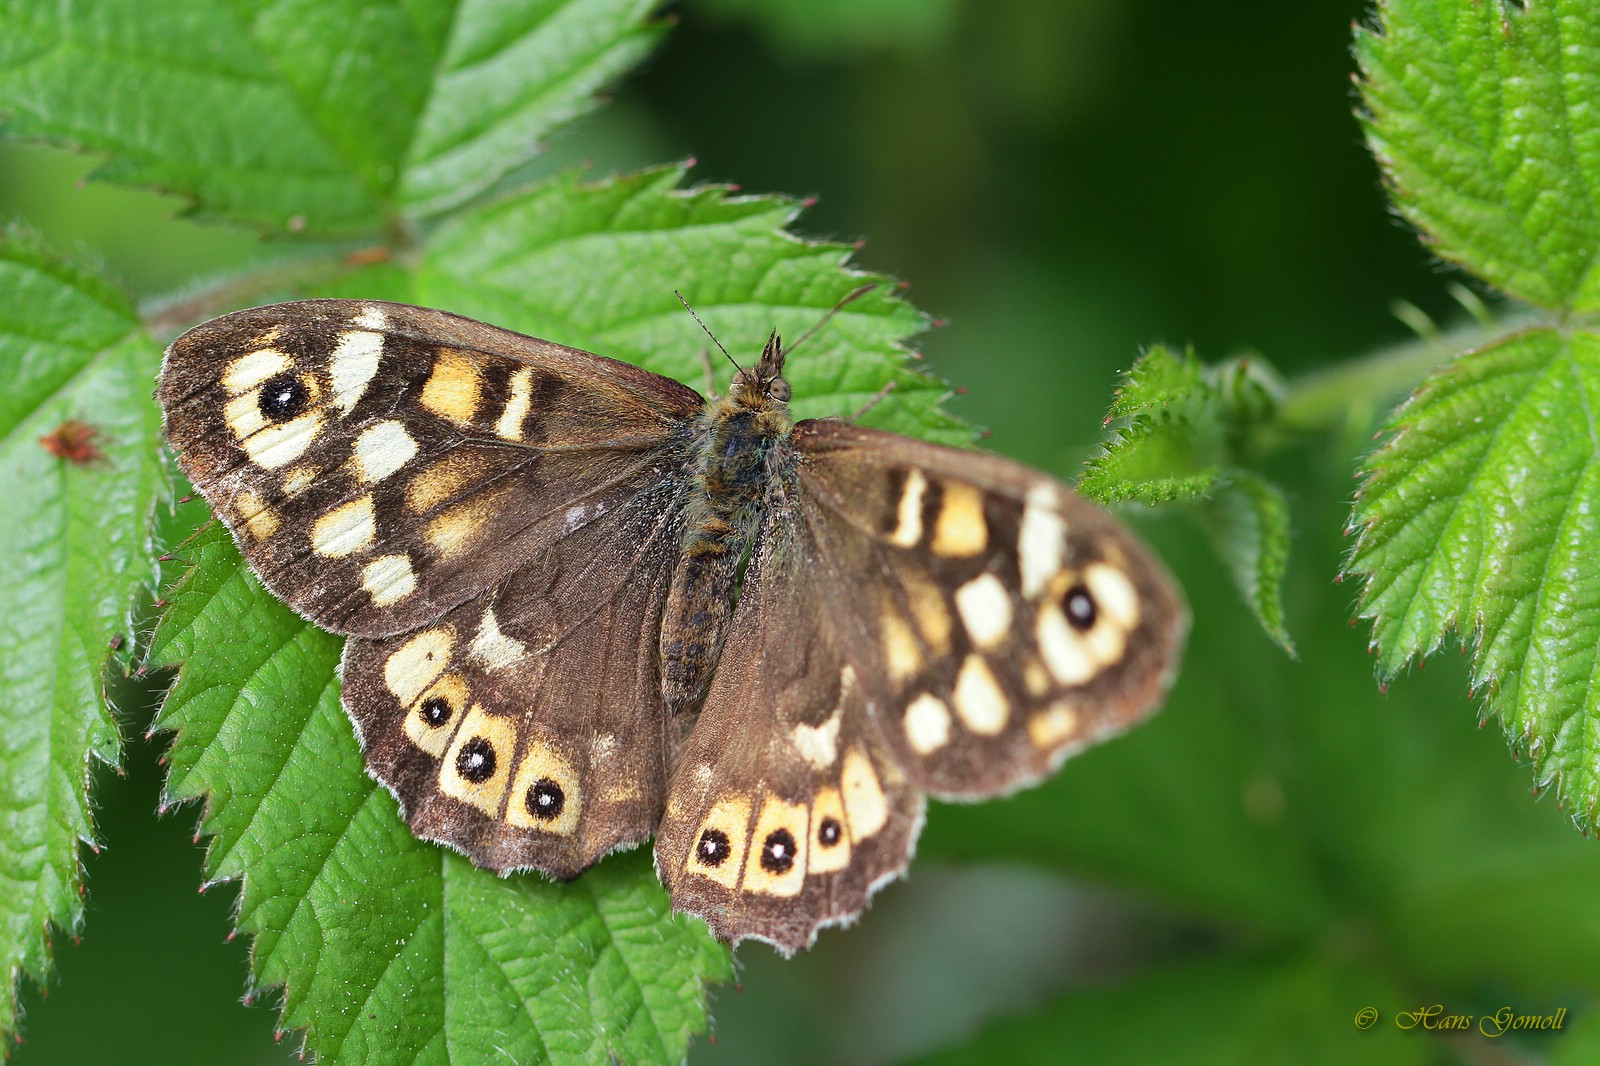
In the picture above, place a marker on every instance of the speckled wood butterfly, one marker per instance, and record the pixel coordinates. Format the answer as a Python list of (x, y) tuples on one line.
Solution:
[(587, 605)]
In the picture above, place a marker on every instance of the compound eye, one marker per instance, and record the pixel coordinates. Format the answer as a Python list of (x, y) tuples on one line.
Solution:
[(779, 390)]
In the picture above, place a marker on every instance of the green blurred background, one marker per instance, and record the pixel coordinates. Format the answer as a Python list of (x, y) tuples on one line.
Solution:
[(1063, 182)]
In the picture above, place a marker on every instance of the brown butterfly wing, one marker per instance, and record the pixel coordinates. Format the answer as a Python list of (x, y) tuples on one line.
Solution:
[(381, 464), (786, 810), (525, 728)]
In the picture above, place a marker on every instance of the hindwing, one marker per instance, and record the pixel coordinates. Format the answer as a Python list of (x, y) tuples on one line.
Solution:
[(525, 728), (787, 810)]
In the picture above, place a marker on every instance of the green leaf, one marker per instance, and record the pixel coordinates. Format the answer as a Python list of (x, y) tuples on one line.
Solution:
[(327, 118), (1187, 434), (390, 949), (1481, 514), (596, 266), (1170, 441), (71, 351), (1248, 519), (1482, 115), (1152, 461), (1159, 377)]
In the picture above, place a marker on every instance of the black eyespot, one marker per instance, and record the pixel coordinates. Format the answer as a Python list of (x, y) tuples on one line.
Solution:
[(713, 848), (829, 832), (546, 800), (475, 760), (1080, 608), (777, 852), (283, 397), (435, 711)]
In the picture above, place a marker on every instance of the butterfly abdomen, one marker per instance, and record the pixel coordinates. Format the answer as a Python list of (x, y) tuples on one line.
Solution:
[(740, 438)]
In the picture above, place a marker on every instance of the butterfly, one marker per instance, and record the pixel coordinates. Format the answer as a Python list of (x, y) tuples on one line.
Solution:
[(587, 606)]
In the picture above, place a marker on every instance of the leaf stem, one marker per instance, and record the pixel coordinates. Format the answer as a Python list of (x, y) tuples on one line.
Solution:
[(1353, 392)]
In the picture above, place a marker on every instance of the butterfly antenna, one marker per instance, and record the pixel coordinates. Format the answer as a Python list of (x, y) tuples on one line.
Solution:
[(703, 326), (849, 298)]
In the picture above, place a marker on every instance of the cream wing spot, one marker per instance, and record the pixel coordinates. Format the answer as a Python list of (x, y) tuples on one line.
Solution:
[(1106, 644), (429, 720), (374, 317), (1114, 594), (454, 531), (352, 365), (719, 844), (1035, 677), (1041, 541), (985, 609), (299, 478), (388, 579), (546, 794), (927, 724), (257, 515), (818, 744), (830, 837), (443, 480), (492, 648), (1066, 654), (980, 702), (900, 644), (515, 413), (476, 766), (1053, 726), (417, 663), (908, 521), (254, 369), (454, 387), (381, 449), (776, 862), (278, 445), (244, 417), (961, 529), (930, 610), (866, 807), (345, 530)]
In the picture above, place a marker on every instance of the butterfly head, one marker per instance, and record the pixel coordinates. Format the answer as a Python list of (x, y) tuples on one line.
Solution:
[(763, 385)]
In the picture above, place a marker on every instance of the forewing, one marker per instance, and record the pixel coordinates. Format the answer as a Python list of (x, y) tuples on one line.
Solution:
[(997, 621), (525, 728), (381, 464), (786, 810)]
